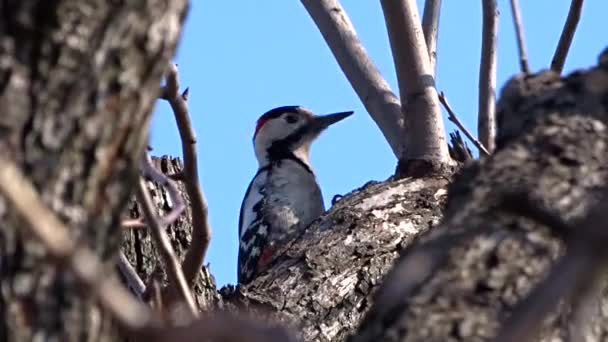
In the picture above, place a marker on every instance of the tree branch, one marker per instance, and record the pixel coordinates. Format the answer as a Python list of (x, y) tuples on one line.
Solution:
[(132, 315), (425, 131), (132, 279), (174, 271), (430, 27), (452, 117), (149, 171), (375, 94), (44, 225), (486, 120), (574, 15), (201, 230), (519, 33)]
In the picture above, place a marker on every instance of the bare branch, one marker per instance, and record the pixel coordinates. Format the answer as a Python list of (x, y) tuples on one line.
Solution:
[(132, 279), (574, 15), (430, 27), (425, 135), (452, 117), (174, 270), (375, 94), (133, 224), (486, 120), (149, 171), (519, 33), (201, 231), (44, 225)]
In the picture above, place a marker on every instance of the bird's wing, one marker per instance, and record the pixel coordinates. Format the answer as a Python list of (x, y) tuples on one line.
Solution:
[(253, 230)]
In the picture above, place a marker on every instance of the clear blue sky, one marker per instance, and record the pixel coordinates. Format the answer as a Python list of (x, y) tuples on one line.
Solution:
[(240, 60)]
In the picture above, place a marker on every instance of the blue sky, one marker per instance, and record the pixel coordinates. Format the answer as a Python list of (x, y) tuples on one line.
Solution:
[(242, 60)]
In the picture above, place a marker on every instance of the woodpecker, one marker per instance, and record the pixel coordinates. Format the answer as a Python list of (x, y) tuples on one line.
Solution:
[(283, 197)]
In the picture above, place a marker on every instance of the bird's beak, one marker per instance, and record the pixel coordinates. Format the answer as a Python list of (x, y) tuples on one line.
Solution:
[(321, 122)]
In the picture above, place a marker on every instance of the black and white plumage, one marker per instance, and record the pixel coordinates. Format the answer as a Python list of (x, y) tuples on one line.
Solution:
[(283, 198)]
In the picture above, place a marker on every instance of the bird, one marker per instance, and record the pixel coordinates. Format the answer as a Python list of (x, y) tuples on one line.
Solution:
[(283, 197)]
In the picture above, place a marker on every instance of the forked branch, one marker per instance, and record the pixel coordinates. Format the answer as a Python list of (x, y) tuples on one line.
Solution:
[(201, 230), (161, 240), (426, 136), (375, 94)]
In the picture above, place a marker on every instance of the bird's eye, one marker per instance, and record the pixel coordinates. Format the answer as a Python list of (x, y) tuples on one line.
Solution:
[(291, 119)]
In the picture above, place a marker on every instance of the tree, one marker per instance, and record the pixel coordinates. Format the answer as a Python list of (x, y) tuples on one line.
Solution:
[(407, 259)]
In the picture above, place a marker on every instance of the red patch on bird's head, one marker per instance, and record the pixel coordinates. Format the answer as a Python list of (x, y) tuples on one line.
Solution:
[(273, 114), (261, 121)]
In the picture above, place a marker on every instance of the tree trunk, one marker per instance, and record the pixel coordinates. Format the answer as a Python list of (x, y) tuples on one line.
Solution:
[(77, 83), (460, 282)]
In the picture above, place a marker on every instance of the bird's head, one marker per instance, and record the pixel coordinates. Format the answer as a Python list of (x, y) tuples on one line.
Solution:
[(289, 129)]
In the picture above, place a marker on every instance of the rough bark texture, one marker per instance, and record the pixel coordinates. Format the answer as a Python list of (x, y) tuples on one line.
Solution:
[(77, 82), (323, 283), (465, 277), (139, 247)]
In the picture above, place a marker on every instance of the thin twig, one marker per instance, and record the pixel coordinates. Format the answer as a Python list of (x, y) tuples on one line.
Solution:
[(135, 317), (574, 15), (452, 117), (486, 119), (373, 90), (44, 225), (430, 27), (149, 171), (426, 134), (201, 230), (133, 223), (132, 279), (519, 32), (161, 240)]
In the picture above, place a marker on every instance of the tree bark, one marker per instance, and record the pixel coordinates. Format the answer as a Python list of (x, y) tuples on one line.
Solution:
[(77, 84), (139, 247), (462, 280)]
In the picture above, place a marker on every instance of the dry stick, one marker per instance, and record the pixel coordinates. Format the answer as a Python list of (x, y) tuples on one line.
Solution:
[(133, 316), (426, 135), (133, 280), (201, 230), (373, 90), (519, 32), (150, 171), (44, 225), (161, 240), (133, 224), (452, 117), (430, 27), (486, 119), (574, 15)]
